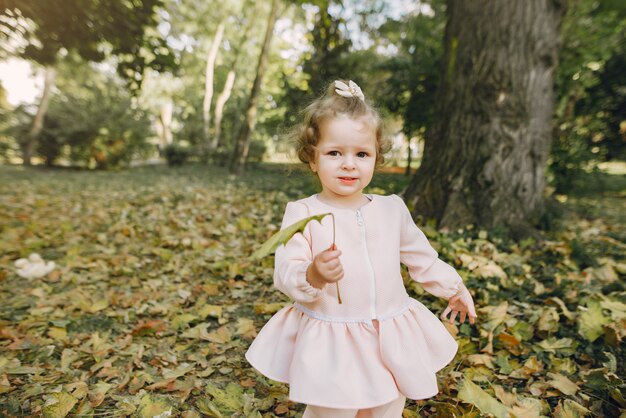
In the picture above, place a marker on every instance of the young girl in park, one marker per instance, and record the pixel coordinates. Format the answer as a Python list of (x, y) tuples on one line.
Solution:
[(353, 343)]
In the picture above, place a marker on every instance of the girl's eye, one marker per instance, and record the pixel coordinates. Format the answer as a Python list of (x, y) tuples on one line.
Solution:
[(362, 154), (333, 153)]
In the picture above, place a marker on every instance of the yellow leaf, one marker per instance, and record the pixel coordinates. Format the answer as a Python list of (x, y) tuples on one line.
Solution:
[(58, 405), (5, 385), (475, 395), (57, 333), (221, 336), (268, 308), (99, 305), (98, 392), (591, 320), (495, 315), (181, 370), (229, 400), (563, 384), (570, 409), (530, 408), (180, 321), (152, 406), (246, 328), (508, 399), (68, 356), (548, 319), (477, 359), (208, 408), (490, 269), (213, 311)]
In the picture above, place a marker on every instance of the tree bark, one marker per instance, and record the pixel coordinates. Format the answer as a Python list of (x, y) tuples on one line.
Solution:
[(407, 172), (228, 85), (485, 155), (164, 126), (208, 83), (219, 107), (42, 109), (240, 151)]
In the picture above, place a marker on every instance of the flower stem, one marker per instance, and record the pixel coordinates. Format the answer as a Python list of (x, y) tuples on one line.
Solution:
[(335, 247)]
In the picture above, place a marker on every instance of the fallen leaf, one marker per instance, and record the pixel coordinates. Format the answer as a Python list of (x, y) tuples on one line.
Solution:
[(58, 405), (475, 395)]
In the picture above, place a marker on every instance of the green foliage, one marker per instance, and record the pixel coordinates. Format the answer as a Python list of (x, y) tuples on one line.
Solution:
[(413, 72), (84, 27), (324, 63), (176, 154), (590, 87), (93, 121)]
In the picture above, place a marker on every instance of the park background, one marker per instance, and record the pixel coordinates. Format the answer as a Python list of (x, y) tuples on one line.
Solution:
[(143, 150)]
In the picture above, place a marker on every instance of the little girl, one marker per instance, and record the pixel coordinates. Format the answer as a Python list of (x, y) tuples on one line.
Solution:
[(361, 357)]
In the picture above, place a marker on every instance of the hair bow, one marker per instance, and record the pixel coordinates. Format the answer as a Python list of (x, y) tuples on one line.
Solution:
[(348, 90)]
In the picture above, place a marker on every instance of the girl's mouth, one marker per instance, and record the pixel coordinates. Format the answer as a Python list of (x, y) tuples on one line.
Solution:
[(347, 180)]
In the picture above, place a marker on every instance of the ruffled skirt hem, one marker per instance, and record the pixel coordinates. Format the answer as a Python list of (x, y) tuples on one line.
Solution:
[(351, 364)]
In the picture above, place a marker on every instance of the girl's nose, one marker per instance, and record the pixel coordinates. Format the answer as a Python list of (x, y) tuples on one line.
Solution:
[(348, 162)]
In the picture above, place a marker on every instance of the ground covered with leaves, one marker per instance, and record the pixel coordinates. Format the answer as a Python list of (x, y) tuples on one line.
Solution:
[(153, 301)]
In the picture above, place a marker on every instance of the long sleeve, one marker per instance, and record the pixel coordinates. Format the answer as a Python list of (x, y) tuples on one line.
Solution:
[(293, 259), (435, 276)]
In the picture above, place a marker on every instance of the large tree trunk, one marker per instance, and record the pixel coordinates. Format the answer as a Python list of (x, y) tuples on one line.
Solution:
[(208, 83), (33, 133), (485, 155), (240, 152)]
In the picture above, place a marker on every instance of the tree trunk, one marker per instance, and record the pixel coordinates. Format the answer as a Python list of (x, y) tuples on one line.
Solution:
[(208, 83), (219, 107), (240, 152), (33, 133), (485, 155), (164, 125), (407, 172)]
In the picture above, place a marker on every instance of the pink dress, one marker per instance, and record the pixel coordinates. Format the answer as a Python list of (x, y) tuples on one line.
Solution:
[(330, 354)]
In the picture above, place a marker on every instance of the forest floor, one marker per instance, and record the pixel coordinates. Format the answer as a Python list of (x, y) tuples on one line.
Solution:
[(153, 301)]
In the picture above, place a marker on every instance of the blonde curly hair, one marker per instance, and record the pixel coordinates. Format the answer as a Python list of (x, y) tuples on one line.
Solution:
[(306, 135)]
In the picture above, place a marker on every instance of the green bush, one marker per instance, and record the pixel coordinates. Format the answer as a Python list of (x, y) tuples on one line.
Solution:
[(176, 154)]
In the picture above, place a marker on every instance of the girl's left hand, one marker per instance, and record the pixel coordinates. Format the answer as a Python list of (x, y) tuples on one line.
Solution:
[(461, 303)]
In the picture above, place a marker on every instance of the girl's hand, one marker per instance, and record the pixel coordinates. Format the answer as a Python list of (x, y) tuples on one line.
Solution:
[(461, 302), (325, 268)]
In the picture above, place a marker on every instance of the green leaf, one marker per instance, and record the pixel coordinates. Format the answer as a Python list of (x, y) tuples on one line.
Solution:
[(475, 395), (590, 322), (58, 405), (283, 236)]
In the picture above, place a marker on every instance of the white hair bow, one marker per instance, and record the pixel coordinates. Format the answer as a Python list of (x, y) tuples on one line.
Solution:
[(348, 90)]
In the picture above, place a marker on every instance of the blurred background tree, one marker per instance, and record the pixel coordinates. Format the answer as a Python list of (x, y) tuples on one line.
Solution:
[(90, 29), (393, 48), (591, 91)]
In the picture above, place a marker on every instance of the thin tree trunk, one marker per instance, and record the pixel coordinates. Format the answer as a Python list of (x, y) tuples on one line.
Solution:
[(208, 84), (230, 82), (485, 155), (164, 126), (407, 172), (219, 107), (240, 152), (42, 109)]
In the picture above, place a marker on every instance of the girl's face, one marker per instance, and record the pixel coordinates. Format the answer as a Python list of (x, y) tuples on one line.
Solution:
[(344, 159)]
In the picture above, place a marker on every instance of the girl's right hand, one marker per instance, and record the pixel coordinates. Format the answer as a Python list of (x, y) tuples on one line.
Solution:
[(325, 268)]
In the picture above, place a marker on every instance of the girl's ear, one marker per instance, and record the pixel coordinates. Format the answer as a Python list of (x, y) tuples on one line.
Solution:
[(313, 166)]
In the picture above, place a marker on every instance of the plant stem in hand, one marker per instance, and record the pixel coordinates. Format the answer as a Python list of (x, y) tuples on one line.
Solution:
[(334, 247)]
